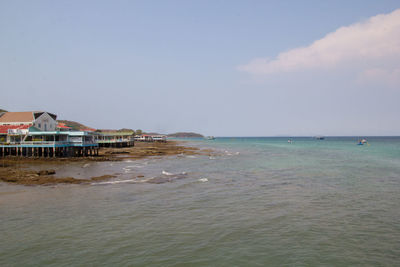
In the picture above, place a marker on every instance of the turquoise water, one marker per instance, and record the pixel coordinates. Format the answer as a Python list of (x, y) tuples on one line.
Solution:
[(258, 202)]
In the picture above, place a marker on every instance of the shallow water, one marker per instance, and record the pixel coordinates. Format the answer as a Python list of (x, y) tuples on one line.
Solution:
[(260, 201)]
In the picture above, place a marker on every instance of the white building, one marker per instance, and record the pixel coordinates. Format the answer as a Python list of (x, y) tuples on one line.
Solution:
[(159, 138), (150, 138)]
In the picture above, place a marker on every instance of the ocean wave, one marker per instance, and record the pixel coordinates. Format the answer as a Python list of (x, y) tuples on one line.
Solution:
[(172, 174), (114, 182), (134, 166), (166, 177), (228, 153), (167, 173)]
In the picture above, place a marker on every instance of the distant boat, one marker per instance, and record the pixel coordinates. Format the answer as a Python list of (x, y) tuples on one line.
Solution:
[(210, 137), (362, 142), (319, 137), (290, 141)]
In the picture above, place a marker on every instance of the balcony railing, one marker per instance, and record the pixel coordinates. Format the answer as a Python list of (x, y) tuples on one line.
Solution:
[(115, 141), (44, 143), (72, 142)]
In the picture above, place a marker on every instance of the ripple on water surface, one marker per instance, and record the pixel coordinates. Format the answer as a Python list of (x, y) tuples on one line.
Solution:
[(328, 203)]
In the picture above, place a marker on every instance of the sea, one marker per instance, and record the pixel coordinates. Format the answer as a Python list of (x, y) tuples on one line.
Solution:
[(252, 202)]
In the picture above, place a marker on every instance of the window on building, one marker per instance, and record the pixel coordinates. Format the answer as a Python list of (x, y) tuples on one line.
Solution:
[(40, 125)]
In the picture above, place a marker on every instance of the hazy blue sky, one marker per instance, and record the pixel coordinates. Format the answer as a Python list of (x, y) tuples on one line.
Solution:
[(224, 68)]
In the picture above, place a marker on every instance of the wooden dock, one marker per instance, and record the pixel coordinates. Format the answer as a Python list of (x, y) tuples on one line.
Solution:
[(48, 150)]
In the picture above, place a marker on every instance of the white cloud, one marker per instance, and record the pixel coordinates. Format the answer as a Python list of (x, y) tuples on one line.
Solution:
[(366, 45)]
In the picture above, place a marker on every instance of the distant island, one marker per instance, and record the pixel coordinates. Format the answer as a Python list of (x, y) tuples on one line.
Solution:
[(186, 135)]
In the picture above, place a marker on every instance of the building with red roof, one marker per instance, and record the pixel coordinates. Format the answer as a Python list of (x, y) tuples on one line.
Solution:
[(62, 127), (9, 129), (42, 120)]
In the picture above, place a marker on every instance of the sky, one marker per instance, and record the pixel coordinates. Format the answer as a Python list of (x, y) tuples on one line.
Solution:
[(222, 68)]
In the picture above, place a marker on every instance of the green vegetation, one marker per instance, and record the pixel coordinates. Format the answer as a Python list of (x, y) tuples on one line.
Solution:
[(74, 125), (3, 110), (186, 135), (126, 130)]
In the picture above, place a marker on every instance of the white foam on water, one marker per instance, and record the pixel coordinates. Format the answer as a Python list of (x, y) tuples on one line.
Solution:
[(143, 180), (86, 165), (211, 158), (167, 173), (191, 157), (231, 153), (203, 180), (134, 166), (114, 182)]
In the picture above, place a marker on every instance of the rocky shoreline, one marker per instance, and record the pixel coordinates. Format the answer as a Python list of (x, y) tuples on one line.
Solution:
[(15, 170)]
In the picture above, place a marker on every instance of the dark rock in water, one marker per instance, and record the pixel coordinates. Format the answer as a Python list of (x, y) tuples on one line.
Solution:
[(46, 172), (103, 177), (9, 179), (160, 180)]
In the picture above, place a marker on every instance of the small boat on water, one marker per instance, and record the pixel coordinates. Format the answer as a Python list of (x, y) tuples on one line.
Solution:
[(362, 142), (290, 141), (319, 137), (210, 137)]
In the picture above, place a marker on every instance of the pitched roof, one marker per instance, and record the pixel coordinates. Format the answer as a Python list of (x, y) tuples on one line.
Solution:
[(63, 126), (17, 117), (37, 114), (88, 130), (4, 128)]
